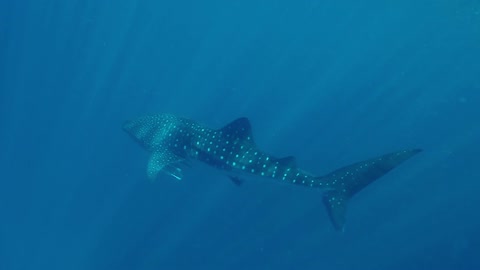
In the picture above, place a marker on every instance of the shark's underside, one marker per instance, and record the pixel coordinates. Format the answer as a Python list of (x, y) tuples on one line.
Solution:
[(173, 140)]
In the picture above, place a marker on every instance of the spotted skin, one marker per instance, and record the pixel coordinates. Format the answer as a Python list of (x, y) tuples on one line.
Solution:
[(173, 140)]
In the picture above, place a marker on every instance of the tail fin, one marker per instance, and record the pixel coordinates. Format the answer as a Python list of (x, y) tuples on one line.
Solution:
[(347, 181)]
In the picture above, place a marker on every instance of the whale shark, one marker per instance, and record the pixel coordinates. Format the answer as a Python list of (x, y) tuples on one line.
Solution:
[(174, 141)]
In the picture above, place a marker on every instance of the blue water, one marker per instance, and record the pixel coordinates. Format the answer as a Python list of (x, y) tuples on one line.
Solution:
[(330, 82)]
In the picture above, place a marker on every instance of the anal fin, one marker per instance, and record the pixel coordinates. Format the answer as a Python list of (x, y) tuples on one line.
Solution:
[(236, 180)]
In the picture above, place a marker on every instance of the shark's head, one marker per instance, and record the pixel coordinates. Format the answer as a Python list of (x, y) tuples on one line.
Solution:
[(152, 130)]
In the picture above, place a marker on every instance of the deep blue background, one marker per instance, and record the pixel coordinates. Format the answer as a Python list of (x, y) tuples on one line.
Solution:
[(330, 82)]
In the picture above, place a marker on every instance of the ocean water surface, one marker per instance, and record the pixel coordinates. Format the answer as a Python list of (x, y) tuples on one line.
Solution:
[(329, 82)]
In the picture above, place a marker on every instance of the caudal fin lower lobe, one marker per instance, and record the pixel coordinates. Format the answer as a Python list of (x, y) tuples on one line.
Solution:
[(347, 181)]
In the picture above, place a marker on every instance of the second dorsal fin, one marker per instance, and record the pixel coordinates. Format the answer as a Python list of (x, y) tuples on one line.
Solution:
[(287, 161)]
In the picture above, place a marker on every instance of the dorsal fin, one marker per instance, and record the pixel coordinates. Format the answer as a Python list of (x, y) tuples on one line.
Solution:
[(239, 128), (287, 161)]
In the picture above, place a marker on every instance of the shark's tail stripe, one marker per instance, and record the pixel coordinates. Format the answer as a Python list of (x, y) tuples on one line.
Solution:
[(347, 181)]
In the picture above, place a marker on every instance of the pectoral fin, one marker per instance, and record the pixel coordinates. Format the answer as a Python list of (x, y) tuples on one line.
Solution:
[(166, 161)]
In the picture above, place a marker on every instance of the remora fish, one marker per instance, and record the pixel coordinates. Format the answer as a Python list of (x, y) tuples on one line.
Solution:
[(173, 140)]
